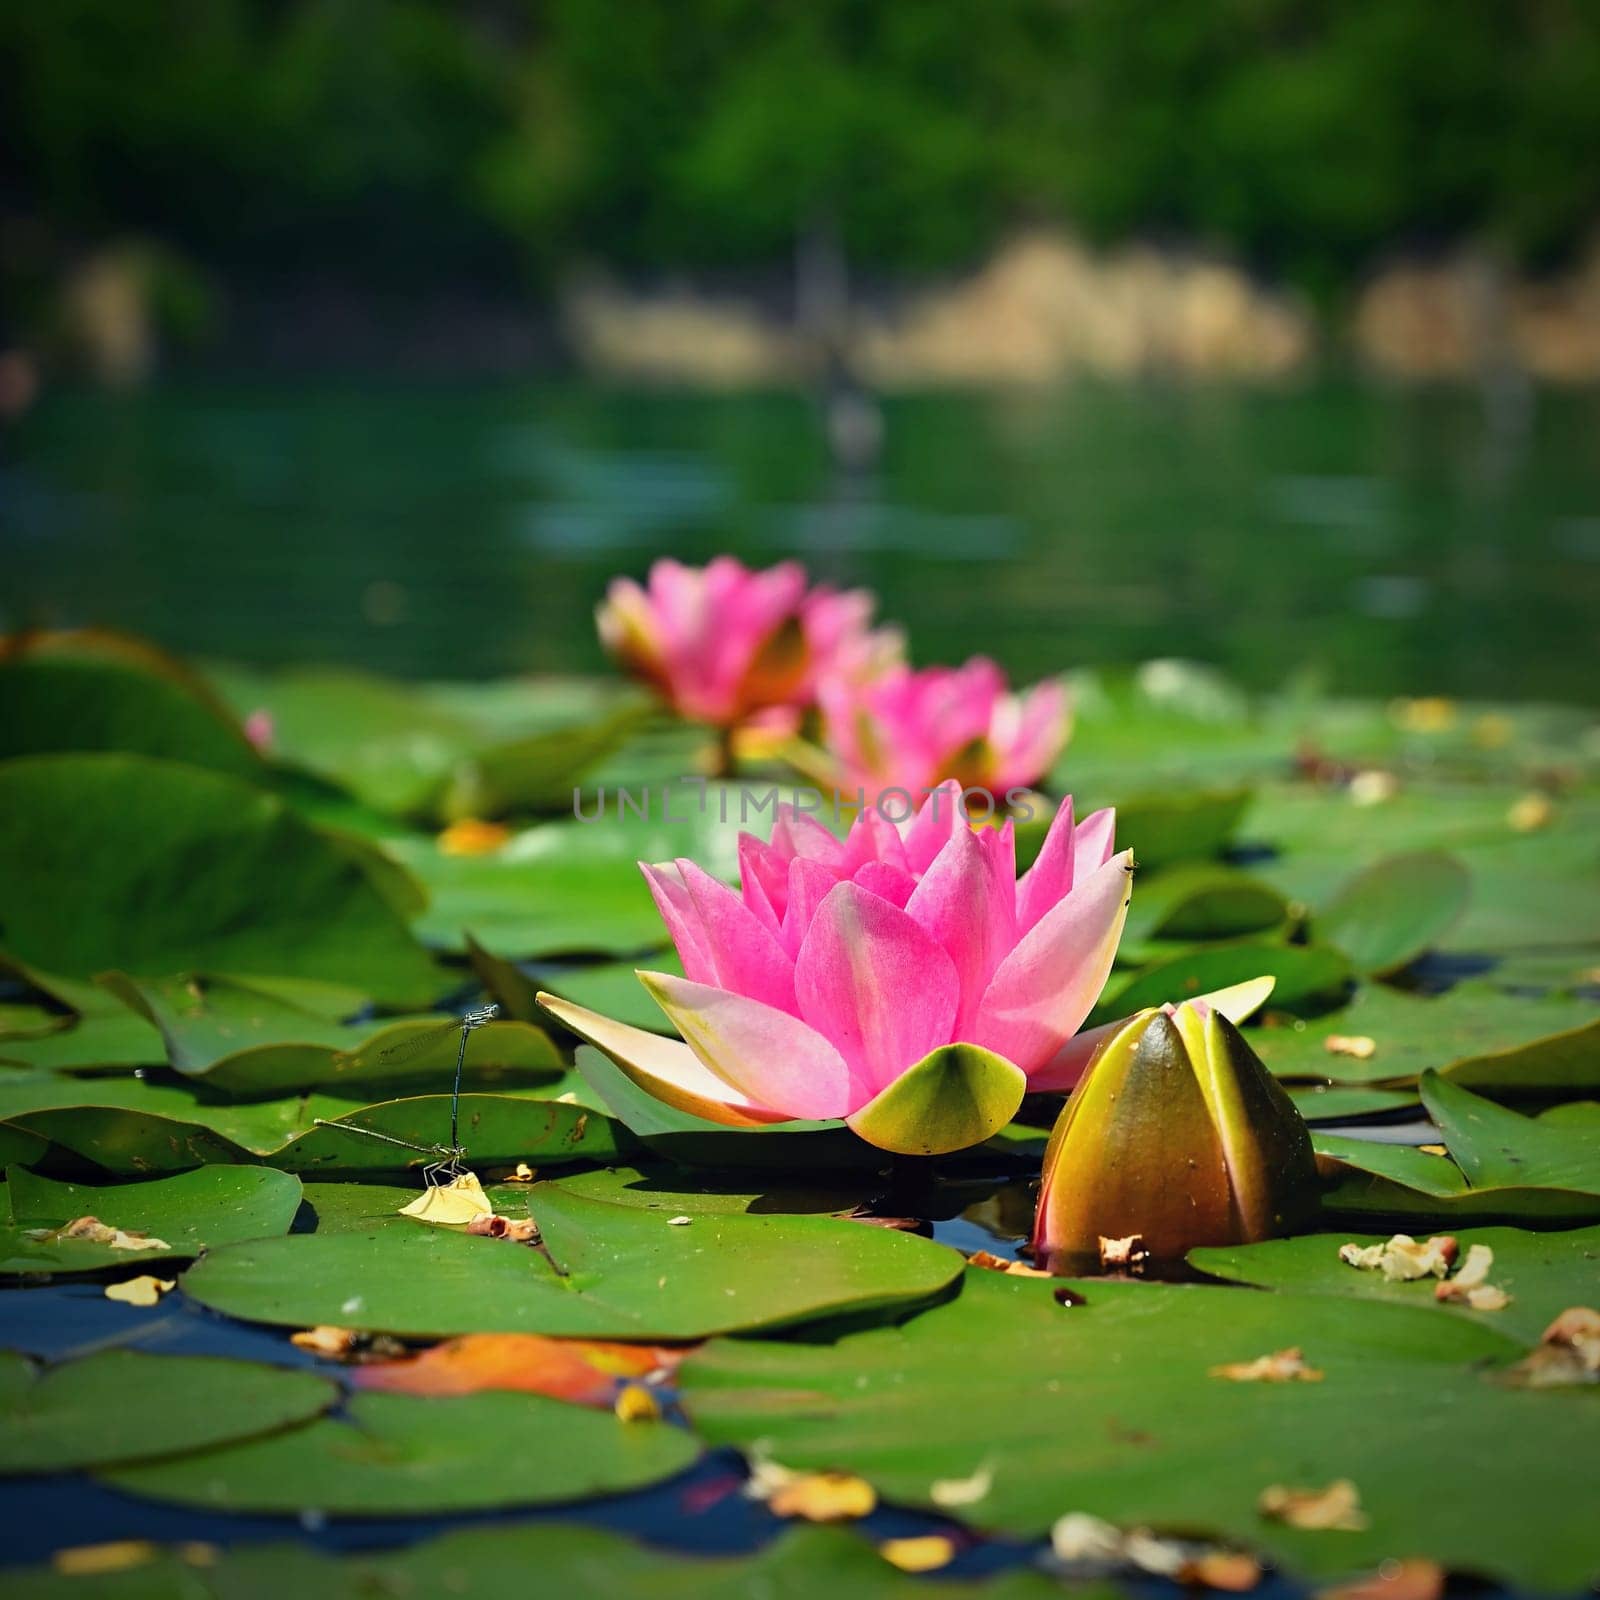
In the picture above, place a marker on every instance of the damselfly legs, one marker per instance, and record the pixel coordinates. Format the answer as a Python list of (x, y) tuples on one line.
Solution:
[(452, 1156)]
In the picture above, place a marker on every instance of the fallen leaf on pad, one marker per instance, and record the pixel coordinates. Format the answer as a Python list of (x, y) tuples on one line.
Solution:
[(1335, 1508), (140, 1291), (451, 1205)]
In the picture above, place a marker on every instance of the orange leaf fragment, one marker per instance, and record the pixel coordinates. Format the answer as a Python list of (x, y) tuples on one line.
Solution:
[(1335, 1508), (472, 836), (635, 1403), (1017, 1269), (1394, 1580), (1282, 1366), (1234, 1571), (584, 1371)]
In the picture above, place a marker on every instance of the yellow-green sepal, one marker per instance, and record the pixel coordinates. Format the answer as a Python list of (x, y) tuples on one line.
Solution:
[(953, 1098)]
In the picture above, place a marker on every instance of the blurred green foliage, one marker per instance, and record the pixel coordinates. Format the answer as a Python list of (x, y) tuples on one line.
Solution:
[(406, 137)]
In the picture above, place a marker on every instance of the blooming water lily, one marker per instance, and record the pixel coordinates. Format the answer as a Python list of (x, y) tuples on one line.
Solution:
[(902, 978), (722, 642)]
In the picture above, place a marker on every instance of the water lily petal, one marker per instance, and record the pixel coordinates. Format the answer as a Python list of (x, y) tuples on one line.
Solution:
[(967, 903), (1066, 1067), (893, 884), (682, 917), (1044, 989), (746, 956), (665, 1068), (871, 980), (1094, 841), (1050, 876), (929, 831), (770, 1057)]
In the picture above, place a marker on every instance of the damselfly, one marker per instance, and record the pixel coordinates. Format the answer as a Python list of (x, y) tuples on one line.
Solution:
[(451, 1156)]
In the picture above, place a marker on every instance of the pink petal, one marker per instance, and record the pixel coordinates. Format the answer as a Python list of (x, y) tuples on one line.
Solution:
[(763, 879), (931, 828), (1043, 990), (873, 837), (682, 918), (870, 979), (770, 1057), (796, 834), (745, 955), (665, 1068), (1094, 841), (894, 884), (809, 885), (967, 904), (1050, 876)]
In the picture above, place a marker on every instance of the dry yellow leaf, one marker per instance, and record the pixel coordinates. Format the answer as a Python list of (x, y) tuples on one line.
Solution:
[(523, 1174), (116, 1555), (1373, 786), (823, 1497), (1402, 1258), (451, 1205), (635, 1403), (1282, 1366), (1335, 1508), (1530, 813), (140, 1291), (1568, 1353), (1356, 1045), (950, 1494), (94, 1231), (925, 1553), (1471, 1282)]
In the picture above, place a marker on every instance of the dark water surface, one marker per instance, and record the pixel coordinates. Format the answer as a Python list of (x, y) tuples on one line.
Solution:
[(1399, 541)]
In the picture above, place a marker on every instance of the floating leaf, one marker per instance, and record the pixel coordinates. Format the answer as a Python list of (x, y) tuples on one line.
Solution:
[(1179, 825), (390, 1455), (1304, 975), (1499, 1148), (144, 1290), (630, 1274), (1386, 916), (583, 1371), (1107, 1407), (1201, 901), (261, 891), (1543, 1272), (123, 1405), (190, 1212), (58, 699)]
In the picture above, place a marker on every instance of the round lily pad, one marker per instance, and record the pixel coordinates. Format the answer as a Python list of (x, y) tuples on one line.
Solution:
[(1012, 1409), (123, 1405), (187, 1213), (630, 1273), (389, 1455)]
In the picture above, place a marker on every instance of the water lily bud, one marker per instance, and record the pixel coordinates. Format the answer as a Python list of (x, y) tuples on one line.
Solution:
[(1178, 1134)]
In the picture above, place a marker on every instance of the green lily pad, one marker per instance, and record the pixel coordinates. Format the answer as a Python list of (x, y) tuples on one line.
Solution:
[(613, 989), (114, 1039), (1497, 1147), (1306, 975), (1388, 915), (1202, 901), (1322, 1102), (1396, 1181), (631, 1274), (189, 1213), (57, 702), (569, 1560), (136, 1127), (245, 1041), (661, 1189), (123, 1405), (247, 886), (1109, 1407), (571, 887), (1544, 1273), (1179, 825), (1476, 1035), (390, 1455)]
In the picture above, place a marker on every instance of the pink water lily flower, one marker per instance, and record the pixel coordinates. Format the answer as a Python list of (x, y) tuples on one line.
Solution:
[(722, 641), (903, 978), (911, 729)]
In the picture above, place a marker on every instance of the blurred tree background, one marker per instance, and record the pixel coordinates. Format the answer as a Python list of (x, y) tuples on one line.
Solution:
[(395, 141)]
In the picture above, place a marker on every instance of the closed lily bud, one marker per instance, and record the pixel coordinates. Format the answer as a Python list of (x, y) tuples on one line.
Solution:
[(1176, 1133)]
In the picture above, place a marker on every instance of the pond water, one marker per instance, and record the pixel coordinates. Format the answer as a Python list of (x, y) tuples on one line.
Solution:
[(1397, 541)]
